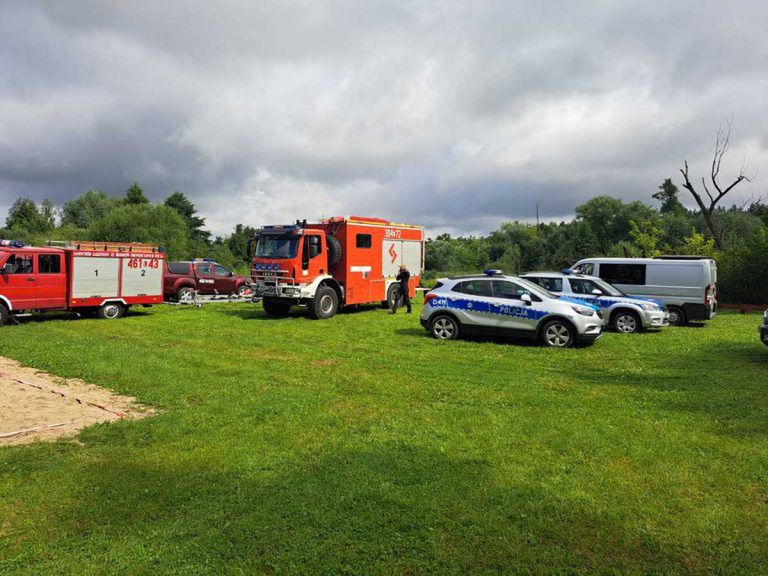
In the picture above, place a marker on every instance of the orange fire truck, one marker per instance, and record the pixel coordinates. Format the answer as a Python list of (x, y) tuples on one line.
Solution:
[(103, 278), (337, 262)]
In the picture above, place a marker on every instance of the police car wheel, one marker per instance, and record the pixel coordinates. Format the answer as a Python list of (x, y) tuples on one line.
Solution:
[(676, 316), (627, 322), (444, 328), (111, 311), (3, 315), (557, 334)]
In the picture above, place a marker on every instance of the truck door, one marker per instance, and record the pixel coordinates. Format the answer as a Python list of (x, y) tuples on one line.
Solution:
[(206, 282), (51, 281), (508, 312), (313, 260), (18, 282), (224, 280)]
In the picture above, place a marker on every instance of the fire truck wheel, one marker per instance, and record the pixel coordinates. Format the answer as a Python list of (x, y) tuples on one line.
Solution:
[(111, 311), (325, 303), (392, 293), (334, 249), (276, 308), (3, 315)]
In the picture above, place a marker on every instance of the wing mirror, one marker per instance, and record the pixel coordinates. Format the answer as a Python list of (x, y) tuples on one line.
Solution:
[(597, 292), (7, 268), (527, 299)]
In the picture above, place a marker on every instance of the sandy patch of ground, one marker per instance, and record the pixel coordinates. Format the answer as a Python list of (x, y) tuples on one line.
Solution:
[(36, 405)]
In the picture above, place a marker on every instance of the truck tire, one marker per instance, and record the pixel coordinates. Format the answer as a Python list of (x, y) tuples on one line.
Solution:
[(677, 316), (626, 322), (111, 311), (185, 294), (4, 315), (394, 292), (558, 334), (276, 308), (334, 250), (325, 303)]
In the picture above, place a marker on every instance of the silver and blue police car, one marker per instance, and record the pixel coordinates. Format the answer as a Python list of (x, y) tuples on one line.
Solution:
[(495, 304), (625, 314)]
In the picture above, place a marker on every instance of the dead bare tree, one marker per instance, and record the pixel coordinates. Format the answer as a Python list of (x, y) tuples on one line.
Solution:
[(722, 143)]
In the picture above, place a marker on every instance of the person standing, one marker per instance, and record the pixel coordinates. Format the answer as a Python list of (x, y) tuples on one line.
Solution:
[(404, 277)]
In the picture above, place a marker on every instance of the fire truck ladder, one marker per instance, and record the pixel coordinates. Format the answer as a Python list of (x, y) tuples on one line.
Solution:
[(90, 245)]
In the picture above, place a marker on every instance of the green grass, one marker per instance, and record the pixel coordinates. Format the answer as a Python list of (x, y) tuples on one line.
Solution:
[(360, 445)]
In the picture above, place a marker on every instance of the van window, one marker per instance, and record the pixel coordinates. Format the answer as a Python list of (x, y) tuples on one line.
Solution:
[(623, 273), (49, 264), (588, 269), (474, 287), (363, 241)]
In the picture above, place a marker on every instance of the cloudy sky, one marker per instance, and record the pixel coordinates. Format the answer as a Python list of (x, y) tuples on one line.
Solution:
[(455, 115)]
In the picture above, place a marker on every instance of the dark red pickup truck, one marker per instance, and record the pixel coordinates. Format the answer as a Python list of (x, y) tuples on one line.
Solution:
[(182, 279)]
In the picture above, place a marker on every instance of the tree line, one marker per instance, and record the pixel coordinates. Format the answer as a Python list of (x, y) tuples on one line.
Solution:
[(174, 224), (607, 226), (603, 226)]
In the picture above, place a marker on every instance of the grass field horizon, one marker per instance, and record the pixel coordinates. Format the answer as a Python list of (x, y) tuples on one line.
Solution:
[(361, 445)]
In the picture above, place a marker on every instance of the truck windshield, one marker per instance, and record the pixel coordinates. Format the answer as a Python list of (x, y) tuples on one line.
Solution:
[(274, 246)]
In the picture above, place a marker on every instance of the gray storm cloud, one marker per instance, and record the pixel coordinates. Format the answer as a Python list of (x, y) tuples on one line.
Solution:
[(456, 115)]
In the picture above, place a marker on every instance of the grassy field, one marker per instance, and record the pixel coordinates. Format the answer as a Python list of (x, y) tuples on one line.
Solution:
[(360, 445)]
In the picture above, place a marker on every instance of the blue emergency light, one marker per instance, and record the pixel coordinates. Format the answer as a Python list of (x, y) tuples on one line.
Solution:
[(567, 271), (493, 272), (12, 243)]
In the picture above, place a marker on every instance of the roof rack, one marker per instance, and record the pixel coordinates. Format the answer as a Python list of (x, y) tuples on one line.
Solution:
[(680, 257), (105, 246)]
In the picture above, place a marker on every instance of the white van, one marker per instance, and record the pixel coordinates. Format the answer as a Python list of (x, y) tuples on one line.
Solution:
[(686, 284)]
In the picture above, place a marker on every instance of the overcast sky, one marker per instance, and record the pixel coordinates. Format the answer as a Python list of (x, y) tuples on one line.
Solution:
[(454, 115)]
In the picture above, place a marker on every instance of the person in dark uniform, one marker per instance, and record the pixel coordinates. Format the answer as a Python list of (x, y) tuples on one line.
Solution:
[(404, 278)]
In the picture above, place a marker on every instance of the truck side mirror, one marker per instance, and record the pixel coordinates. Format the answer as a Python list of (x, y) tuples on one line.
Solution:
[(527, 299), (314, 246), (7, 268)]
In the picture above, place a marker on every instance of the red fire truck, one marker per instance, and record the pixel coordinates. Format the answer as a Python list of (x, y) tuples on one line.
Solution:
[(102, 278), (337, 262)]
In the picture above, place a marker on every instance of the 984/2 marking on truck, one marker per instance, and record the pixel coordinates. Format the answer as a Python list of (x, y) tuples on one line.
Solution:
[(393, 233)]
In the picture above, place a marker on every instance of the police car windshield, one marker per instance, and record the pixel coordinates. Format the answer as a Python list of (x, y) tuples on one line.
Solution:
[(607, 288), (536, 289), (276, 246)]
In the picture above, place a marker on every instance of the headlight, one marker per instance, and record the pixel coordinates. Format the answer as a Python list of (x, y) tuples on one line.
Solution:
[(583, 311), (650, 307)]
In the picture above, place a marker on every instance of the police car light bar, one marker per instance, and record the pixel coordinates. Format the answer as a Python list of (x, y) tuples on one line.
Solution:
[(12, 243), (567, 271), (493, 272)]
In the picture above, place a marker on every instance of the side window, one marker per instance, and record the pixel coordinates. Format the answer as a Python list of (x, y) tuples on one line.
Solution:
[(363, 241), (474, 287), (204, 269), (221, 271), (579, 286), (178, 267), (18, 264), (623, 273), (551, 284), (508, 290), (49, 264), (587, 269)]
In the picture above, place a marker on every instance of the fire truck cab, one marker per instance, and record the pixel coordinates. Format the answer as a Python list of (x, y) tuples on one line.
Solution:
[(337, 262), (101, 278)]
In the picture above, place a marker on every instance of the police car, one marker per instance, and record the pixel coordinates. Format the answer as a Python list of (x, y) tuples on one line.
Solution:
[(492, 303), (625, 314)]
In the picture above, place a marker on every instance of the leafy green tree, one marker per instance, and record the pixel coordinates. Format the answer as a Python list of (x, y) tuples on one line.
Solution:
[(697, 244), (135, 195), (25, 216), (87, 208), (143, 223), (646, 237), (195, 223), (667, 195)]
